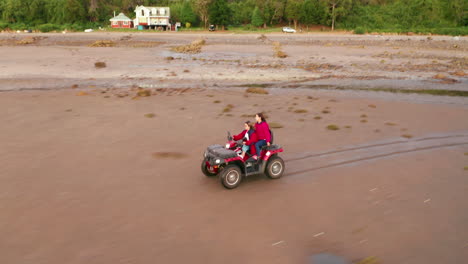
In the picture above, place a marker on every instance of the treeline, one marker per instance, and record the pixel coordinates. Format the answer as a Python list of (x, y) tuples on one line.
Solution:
[(364, 15)]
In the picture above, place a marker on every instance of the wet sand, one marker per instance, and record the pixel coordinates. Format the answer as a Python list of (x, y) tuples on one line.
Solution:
[(79, 181)]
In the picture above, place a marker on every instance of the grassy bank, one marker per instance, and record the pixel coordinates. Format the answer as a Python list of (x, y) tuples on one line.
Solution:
[(451, 31)]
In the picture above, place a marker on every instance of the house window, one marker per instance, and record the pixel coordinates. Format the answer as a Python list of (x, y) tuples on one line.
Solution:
[(154, 11), (115, 23), (162, 11), (143, 12), (126, 23)]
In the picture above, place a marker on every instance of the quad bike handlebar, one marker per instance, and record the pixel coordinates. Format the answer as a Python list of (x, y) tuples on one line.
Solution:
[(233, 143)]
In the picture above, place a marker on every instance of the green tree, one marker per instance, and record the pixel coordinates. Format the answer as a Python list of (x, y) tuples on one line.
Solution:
[(73, 12), (176, 11), (270, 10), (242, 11), (294, 11), (201, 7), (187, 14), (93, 13), (37, 11), (14, 11), (257, 19), (220, 13), (459, 11), (337, 8), (55, 11), (314, 12)]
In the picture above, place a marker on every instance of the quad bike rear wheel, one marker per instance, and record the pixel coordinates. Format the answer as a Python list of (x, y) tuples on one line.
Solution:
[(275, 168), (231, 176), (205, 170)]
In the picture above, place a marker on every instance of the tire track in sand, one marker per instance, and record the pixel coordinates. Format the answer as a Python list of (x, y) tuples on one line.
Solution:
[(356, 154)]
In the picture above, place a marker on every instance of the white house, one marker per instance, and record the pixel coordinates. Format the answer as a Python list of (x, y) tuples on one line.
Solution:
[(152, 17)]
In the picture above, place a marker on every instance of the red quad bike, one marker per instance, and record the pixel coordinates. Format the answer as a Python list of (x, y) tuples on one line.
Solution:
[(226, 162)]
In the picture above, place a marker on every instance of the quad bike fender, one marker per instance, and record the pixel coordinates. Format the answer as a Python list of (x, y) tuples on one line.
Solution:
[(236, 160), (267, 156), (270, 153)]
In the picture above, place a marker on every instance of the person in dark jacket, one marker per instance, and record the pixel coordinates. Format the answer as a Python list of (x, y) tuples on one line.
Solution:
[(263, 133), (248, 137)]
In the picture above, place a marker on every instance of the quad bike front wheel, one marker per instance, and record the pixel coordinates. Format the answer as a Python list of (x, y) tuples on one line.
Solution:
[(275, 168), (231, 176), (205, 170)]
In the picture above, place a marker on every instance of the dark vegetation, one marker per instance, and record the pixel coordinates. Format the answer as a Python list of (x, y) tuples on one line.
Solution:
[(448, 17)]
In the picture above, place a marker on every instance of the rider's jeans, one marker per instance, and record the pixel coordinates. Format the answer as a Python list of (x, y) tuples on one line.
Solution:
[(259, 145), (245, 148)]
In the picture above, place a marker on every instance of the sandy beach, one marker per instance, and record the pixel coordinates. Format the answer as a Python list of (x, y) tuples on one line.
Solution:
[(83, 180)]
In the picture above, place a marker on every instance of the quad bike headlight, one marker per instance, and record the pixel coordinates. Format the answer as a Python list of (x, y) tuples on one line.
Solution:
[(227, 145), (205, 154), (218, 161)]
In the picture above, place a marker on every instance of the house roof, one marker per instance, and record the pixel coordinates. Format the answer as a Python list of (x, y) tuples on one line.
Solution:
[(153, 7), (120, 17)]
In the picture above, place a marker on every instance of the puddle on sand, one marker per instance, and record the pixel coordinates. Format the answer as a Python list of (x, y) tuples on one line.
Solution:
[(326, 258)]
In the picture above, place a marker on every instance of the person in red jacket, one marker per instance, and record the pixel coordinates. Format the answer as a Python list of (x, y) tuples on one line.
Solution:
[(263, 133), (248, 137)]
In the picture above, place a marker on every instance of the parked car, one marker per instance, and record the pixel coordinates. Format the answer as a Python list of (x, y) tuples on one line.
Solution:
[(289, 30)]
